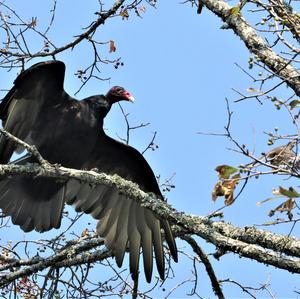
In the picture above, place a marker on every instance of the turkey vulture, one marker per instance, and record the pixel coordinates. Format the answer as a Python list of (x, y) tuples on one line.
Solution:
[(70, 132)]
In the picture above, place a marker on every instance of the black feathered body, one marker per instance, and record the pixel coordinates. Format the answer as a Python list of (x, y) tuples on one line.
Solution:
[(70, 132)]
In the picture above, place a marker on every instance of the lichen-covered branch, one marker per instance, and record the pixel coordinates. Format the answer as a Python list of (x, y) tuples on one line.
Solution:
[(255, 43), (74, 255), (279, 243), (287, 17), (222, 235)]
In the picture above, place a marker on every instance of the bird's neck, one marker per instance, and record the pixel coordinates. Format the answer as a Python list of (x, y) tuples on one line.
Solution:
[(101, 106)]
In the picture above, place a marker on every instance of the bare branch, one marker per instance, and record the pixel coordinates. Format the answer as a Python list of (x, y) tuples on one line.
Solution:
[(86, 35), (209, 269)]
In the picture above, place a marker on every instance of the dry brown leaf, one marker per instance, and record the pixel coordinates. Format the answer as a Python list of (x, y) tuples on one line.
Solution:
[(85, 233), (33, 22), (229, 186), (229, 199), (225, 188), (142, 9), (219, 190), (286, 206), (124, 14), (112, 46)]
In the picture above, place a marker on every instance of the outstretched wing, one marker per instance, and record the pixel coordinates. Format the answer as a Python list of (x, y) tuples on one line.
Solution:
[(32, 203), (34, 91), (123, 222)]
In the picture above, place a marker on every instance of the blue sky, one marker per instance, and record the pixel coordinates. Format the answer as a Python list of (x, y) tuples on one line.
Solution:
[(180, 67)]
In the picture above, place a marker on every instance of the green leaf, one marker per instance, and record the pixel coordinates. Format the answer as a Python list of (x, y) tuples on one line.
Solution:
[(290, 193), (268, 223), (294, 104), (253, 90), (234, 11), (225, 171)]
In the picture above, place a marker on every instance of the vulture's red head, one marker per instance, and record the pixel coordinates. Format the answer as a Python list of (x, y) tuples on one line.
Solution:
[(118, 93)]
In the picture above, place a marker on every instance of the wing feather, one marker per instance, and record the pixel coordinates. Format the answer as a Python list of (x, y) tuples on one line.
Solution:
[(154, 225), (121, 241), (134, 242), (95, 194), (34, 90), (146, 238), (28, 209), (122, 221)]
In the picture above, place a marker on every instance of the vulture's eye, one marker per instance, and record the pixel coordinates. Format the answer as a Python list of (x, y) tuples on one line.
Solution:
[(119, 90)]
